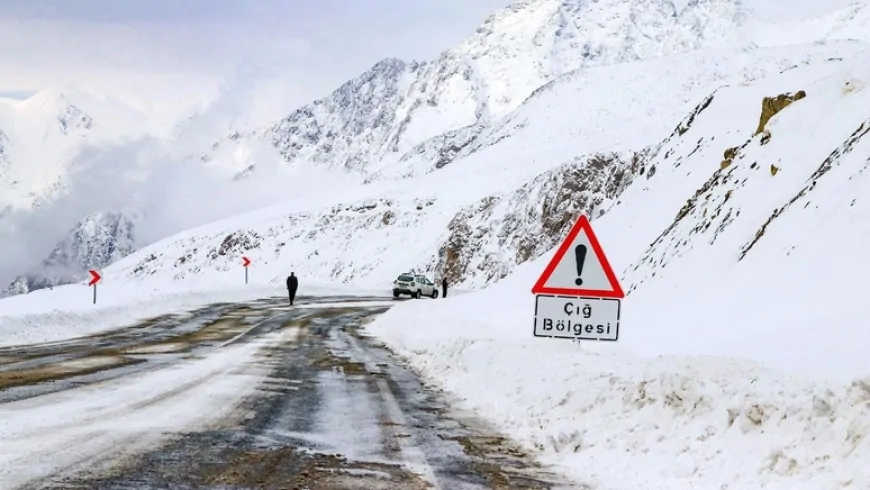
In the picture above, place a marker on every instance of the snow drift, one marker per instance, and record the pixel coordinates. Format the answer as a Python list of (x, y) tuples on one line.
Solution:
[(742, 356), (492, 218)]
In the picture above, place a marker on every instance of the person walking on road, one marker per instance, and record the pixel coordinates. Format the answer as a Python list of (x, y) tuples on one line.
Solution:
[(444, 287), (292, 286)]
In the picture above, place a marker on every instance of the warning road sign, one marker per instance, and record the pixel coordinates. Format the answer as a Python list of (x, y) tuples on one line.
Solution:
[(578, 295), (579, 267)]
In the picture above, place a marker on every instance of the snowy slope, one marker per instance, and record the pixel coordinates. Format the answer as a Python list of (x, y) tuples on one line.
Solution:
[(69, 160), (365, 234), (43, 135), (742, 356), (49, 181), (402, 119), (741, 363), (95, 242), (489, 99)]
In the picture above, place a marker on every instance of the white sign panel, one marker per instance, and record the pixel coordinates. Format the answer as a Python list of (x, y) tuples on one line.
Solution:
[(569, 317), (580, 268)]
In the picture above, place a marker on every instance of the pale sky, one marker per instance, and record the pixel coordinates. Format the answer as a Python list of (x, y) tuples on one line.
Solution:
[(171, 52), (168, 56)]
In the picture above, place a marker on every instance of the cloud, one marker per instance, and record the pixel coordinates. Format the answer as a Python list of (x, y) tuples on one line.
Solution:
[(174, 192), (794, 9), (250, 98), (28, 236), (162, 69), (214, 65), (169, 58)]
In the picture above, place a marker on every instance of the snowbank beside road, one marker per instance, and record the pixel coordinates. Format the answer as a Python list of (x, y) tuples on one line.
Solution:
[(742, 355), (628, 422), (68, 311), (126, 415)]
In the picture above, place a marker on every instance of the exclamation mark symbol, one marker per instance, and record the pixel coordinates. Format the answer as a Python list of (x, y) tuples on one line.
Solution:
[(580, 255)]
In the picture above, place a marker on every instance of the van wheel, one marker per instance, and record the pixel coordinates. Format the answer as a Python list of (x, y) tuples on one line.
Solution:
[(434, 294), (417, 294)]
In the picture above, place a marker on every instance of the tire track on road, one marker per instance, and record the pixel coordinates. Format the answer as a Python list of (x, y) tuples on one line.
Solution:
[(335, 412)]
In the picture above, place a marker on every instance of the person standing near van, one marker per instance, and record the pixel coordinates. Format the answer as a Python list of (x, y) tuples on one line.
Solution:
[(444, 287), (292, 286)]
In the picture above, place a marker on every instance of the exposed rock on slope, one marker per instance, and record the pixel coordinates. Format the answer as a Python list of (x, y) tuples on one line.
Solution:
[(771, 106), (834, 158), (95, 242), (768, 182), (448, 223), (4, 156), (349, 240), (73, 120), (376, 237), (487, 240)]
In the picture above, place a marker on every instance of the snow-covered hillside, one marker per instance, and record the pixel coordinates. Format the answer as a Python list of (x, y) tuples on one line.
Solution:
[(742, 359), (742, 355), (69, 160), (573, 146), (47, 145), (531, 89), (94, 243), (722, 161), (42, 136), (402, 119)]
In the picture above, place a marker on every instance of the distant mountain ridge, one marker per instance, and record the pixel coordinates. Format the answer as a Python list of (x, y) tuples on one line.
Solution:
[(95, 242), (403, 120)]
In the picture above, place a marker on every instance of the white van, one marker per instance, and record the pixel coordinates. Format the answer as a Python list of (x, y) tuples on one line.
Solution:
[(414, 285)]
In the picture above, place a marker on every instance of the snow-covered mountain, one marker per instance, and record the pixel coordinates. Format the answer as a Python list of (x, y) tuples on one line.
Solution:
[(402, 119), (742, 352), (47, 142), (95, 242), (519, 113), (726, 183), (574, 146), (409, 117), (40, 138)]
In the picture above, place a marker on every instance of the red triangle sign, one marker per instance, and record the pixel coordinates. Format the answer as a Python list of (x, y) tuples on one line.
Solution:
[(579, 267)]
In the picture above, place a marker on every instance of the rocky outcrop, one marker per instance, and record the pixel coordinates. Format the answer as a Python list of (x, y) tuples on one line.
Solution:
[(73, 119), (4, 155), (487, 240), (833, 159), (95, 242), (771, 106)]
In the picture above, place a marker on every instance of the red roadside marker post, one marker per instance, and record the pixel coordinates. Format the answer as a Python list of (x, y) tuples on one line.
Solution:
[(578, 296), (246, 262), (95, 278)]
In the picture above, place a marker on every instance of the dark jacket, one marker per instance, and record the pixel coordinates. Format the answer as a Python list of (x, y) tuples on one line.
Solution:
[(444, 283), (292, 282)]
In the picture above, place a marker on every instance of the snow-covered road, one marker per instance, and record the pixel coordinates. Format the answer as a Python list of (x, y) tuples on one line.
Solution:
[(245, 395)]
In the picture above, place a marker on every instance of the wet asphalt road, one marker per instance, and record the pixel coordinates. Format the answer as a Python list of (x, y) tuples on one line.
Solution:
[(28, 371), (335, 410)]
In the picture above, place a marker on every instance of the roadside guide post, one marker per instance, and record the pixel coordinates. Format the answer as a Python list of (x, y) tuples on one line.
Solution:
[(245, 263), (95, 278), (578, 296)]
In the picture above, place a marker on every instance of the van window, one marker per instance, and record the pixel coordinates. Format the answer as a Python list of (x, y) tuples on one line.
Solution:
[(405, 278)]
